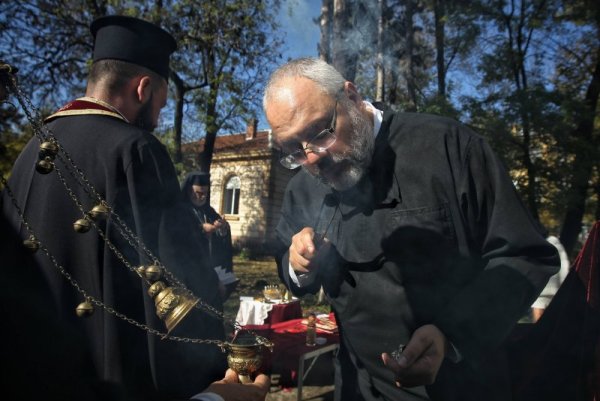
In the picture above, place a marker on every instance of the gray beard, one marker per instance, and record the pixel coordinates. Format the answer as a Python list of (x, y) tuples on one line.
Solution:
[(359, 154)]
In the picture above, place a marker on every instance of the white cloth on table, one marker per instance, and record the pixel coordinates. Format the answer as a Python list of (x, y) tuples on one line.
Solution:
[(253, 312)]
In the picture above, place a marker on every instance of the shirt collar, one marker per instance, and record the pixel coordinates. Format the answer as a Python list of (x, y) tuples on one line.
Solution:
[(377, 117)]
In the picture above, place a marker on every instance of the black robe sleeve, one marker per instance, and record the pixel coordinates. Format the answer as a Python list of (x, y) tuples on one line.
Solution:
[(165, 227), (518, 261)]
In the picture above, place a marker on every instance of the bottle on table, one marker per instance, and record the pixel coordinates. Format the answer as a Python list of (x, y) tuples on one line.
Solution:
[(311, 330)]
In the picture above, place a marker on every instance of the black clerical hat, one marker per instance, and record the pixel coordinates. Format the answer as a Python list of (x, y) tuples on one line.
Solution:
[(200, 178), (133, 40)]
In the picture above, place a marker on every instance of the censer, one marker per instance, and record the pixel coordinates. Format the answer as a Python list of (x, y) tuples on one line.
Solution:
[(245, 355), (173, 303)]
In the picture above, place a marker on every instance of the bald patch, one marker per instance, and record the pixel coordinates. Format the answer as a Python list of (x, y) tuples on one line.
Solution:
[(281, 93), (297, 109)]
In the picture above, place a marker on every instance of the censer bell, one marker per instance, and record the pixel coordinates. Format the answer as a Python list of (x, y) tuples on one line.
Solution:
[(82, 225), (44, 166), (31, 244), (153, 273), (245, 355), (172, 304), (48, 149), (98, 212), (84, 309)]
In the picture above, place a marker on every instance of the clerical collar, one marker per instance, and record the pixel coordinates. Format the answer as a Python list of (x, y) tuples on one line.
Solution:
[(86, 106), (377, 117)]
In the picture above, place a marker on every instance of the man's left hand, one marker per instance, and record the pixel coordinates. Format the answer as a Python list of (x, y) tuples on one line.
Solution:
[(420, 360)]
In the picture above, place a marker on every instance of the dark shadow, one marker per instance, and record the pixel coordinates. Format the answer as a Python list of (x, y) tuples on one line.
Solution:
[(432, 270)]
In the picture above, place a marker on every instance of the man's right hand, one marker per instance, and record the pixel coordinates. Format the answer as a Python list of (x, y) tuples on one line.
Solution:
[(306, 250), (232, 390)]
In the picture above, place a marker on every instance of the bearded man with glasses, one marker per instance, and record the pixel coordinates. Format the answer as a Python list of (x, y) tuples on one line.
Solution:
[(412, 226)]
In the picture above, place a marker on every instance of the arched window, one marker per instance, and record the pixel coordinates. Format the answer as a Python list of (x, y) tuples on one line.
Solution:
[(232, 195)]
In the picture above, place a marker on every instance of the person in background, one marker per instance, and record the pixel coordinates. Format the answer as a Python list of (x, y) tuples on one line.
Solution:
[(413, 228), (105, 355), (542, 302), (215, 230)]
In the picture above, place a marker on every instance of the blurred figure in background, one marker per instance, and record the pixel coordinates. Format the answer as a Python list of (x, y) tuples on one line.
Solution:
[(216, 232)]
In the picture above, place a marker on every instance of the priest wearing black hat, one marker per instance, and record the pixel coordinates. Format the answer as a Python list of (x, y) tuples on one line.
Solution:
[(214, 230), (107, 134)]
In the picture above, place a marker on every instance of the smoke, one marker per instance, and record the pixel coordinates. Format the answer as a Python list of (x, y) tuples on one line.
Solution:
[(297, 24)]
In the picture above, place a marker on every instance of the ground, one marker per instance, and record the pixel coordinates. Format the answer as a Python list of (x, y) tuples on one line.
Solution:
[(254, 275)]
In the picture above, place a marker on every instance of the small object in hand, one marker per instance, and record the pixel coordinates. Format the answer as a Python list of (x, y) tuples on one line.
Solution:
[(222, 227), (397, 353), (319, 240)]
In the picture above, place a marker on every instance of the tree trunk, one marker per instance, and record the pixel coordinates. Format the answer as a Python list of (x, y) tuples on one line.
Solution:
[(344, 55), (516, 45), (411, 84), (439, 13), (380, 83), (205, 158), (393, 86), (582, 164), (325, 24), (597, 190), (178, 118)]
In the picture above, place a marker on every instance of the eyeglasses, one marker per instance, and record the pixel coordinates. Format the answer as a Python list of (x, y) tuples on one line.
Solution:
[(318, 144)]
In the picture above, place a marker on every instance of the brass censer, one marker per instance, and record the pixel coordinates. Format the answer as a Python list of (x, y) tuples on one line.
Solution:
[(245, 355)]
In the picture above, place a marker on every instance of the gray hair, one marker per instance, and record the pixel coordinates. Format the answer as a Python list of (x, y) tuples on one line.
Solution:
[(327, 78)]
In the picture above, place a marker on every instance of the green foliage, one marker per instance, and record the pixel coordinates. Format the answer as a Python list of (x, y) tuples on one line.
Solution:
[(524, 73), (226, 49), (441, 106), (227, 52), (244, 254), (13, 136), (11, 145)]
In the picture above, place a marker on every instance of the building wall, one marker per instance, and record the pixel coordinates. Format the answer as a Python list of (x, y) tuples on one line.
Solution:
[(249, 226), (279, 179), (262, 186)]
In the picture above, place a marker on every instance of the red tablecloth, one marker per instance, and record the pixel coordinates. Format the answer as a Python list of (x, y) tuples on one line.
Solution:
[(289, 339)]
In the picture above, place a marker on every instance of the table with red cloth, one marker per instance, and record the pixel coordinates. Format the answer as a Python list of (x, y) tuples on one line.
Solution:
[(290, 351), (280, 312)]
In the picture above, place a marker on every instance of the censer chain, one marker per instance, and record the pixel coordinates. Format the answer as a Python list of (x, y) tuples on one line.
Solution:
[(43, 133)]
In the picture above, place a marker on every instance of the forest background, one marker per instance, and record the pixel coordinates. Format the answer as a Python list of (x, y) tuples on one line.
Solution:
[(525, 74)]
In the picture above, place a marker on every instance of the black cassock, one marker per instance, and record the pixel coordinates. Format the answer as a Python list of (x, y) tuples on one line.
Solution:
[(434, 233), (132, 171), (219, 247)]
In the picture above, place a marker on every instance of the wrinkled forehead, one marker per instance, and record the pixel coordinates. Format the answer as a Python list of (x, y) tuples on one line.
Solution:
[(296, 108)]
